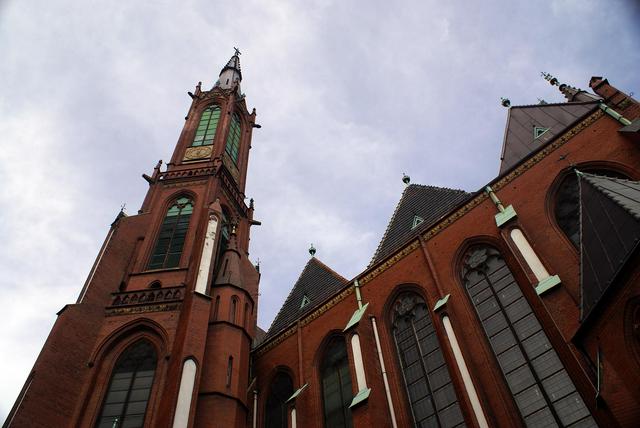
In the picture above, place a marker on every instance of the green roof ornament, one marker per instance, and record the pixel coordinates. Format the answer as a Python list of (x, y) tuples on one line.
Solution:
[(505, 102), (406, 179), (312, 250)]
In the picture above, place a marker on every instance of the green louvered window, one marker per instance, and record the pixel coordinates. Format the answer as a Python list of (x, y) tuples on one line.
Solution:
[(125, 403), (336, 385), (233, 139), (207, 127), (173, 231)]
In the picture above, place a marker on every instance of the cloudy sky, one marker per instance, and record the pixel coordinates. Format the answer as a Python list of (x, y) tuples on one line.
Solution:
[(350, 95)]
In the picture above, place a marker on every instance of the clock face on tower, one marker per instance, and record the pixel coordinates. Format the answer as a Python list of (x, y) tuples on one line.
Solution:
[(201, 152)]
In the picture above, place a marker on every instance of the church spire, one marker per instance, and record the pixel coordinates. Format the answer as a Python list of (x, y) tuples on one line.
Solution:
[(230, 74), (571, 93)]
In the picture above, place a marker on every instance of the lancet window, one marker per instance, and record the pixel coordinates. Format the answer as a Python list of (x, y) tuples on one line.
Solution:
[(233, 139), (540, 385), (207, 126), (432, 397), (125, 403), (336, 384), (168, 248), (279, 392)]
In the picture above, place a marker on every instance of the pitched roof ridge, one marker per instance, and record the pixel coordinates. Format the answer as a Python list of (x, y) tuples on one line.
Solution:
[(290, 294), (328, 269), (555, 104), (430, 186), (321, 265), (386, 231), (619, 198)]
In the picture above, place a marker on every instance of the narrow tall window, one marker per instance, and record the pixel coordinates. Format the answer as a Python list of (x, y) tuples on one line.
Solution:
[(173, 231), (233, 139), (207, 127), (432, 397), (336, 385), (229, 370), (125, 403), (541, 388), (233, 309), (275, 415)]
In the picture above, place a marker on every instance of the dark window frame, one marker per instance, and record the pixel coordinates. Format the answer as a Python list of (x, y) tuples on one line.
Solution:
[(335, 363), (172, 234)]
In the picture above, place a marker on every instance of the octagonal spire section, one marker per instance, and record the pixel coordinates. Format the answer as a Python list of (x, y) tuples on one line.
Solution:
[(230, 75)]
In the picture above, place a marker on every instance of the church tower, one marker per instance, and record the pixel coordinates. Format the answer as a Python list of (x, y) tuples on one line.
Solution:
[(161, 333)]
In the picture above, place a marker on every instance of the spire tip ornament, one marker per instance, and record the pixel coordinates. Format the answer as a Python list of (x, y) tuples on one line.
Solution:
[(312, 250), (406, 179)]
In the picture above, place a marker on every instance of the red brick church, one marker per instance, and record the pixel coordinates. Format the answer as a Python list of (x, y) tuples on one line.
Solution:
[(514, 305)]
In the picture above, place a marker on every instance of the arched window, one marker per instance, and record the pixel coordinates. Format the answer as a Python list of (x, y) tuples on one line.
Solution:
[(275, 415), (207, 127), (336, 385), (432, 397), (567, 202), (233, 139), (173, 231), (233, 309), (541, 388), (125, 403)]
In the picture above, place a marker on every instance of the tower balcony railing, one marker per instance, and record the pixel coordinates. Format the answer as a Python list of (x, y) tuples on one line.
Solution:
[(148, 300)]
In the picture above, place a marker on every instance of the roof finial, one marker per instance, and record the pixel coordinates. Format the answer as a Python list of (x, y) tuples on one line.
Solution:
[(505, 102), (237, 51), (312, 250), (406, 179), (549, 78)]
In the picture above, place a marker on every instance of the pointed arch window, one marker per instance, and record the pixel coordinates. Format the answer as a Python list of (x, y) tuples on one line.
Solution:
[(125, 403), (567, 202), (168, 248), (207, 126), (233, 139), (540, 385), (276, 409), (336, 384), (432, 397)]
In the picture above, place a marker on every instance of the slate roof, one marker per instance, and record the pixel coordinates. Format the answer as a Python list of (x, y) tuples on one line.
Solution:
[(609, 233), (427, 202), (519, 138), (318, 282)]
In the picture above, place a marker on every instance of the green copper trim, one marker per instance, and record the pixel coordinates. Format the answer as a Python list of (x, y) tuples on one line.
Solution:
[(614, 114), (360, 397), (440, 303), (298, 391), (506, 215), (356, 317), (547, 284)]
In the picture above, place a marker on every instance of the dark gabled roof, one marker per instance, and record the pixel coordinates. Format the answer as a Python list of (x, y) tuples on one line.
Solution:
[(428, 203), (519, 139), (609, 233), (317, 282)]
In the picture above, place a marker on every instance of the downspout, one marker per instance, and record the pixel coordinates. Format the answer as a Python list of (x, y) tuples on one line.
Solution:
[(255, 408), (387, 391)]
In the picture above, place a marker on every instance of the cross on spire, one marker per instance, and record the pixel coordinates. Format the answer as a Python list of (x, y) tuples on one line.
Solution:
[(237, 51)]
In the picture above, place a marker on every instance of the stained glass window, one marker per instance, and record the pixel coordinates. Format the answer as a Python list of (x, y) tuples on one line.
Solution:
[(125, 403), (276, 410), (233, 139), (206, 130), (173, 231), (336, 385), (432, 397), (540, 385)]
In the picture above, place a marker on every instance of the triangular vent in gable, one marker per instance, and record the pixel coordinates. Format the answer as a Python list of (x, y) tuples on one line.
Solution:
[(416, 221), (305, 301), (538, 131)]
